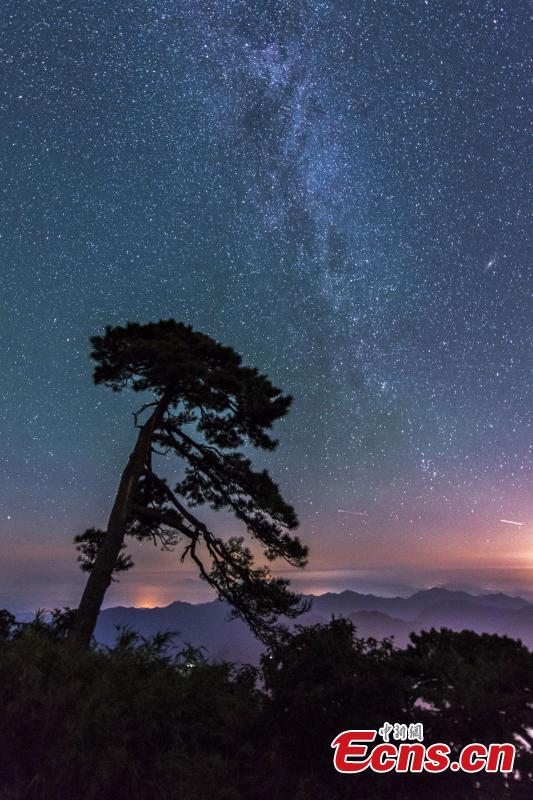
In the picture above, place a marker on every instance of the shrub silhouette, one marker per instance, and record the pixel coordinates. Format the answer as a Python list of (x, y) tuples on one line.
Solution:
[(145, 720)]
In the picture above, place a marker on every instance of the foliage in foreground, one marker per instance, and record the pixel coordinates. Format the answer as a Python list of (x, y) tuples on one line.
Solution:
[(139, 721)]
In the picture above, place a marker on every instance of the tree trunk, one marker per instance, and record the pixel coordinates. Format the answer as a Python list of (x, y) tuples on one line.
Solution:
[(101, 573)]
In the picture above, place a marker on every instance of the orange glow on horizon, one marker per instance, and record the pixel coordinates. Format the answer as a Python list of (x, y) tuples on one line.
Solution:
[(151, 600)]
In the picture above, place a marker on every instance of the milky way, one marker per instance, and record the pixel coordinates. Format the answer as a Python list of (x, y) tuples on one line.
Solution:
[(337, 189)]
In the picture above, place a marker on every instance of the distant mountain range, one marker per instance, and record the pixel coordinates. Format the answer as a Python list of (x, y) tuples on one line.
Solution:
[(208, 625)]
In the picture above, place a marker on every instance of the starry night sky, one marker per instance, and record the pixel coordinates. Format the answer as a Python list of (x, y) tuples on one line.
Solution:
[(340, 191)]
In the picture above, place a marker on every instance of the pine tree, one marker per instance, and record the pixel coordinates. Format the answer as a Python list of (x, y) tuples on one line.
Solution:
[(203, 408)]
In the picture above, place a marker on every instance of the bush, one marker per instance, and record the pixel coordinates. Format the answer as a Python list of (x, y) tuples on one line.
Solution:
[(138, 721), (128, 722)]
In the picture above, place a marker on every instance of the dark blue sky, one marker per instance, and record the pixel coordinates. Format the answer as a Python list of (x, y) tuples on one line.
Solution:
[(339, 190)]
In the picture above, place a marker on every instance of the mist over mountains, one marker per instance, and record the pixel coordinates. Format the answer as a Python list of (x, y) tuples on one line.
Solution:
[(208, 625)]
